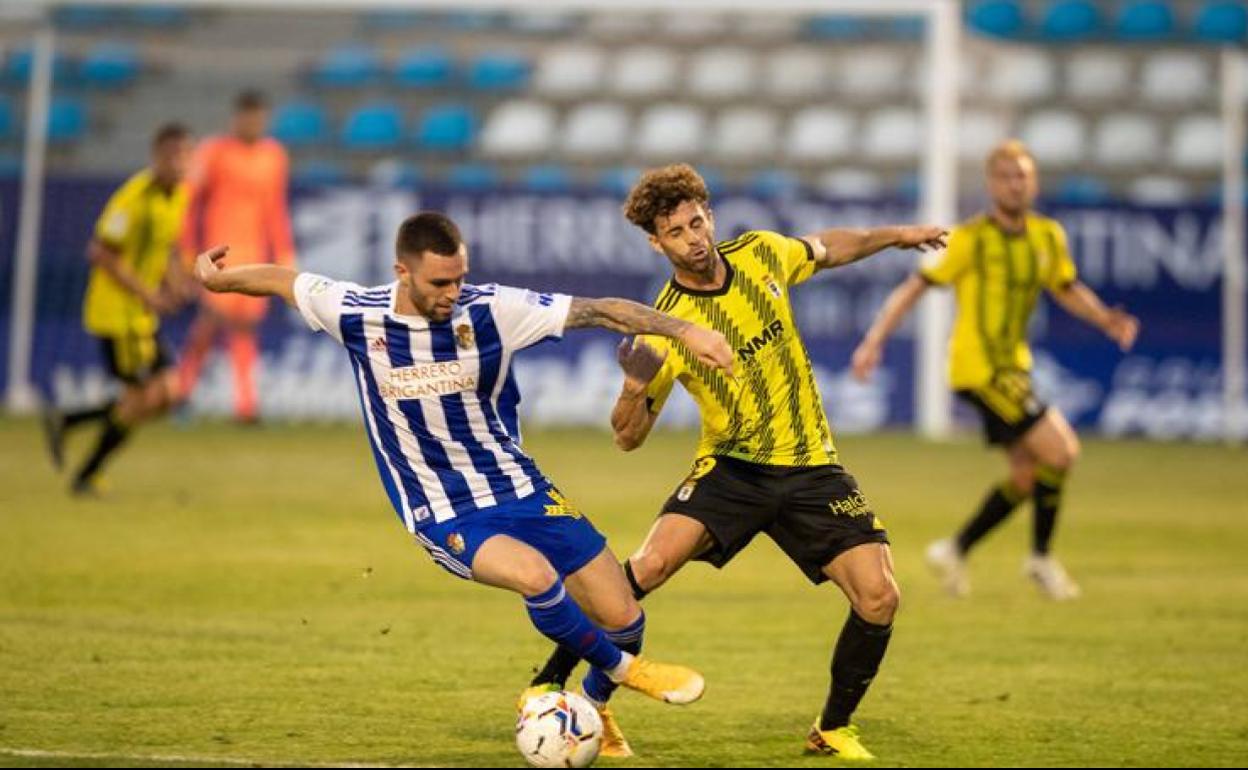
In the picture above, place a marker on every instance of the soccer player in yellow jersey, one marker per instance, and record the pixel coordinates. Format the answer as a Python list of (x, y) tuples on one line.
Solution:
[(130, 287), (998, 263), (766, 462)]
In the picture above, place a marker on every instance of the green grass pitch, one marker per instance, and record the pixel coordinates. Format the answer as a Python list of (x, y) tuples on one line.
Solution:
[(247, 596)]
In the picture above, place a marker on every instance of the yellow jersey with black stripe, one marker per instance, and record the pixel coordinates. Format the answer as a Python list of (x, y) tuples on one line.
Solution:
[(770, 412), (997, 277), (141, 222)]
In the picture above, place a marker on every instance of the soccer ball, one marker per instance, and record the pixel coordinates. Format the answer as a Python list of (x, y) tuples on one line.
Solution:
[(559, 729)]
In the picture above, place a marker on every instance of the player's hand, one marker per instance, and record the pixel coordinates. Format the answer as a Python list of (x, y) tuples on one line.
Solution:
[(208, 267), (709, 346), (923, 237), (640, 362), (1123, 328), (865, 360)]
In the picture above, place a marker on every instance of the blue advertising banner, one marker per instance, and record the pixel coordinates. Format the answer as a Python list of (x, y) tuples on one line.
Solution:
[(1162, 264)]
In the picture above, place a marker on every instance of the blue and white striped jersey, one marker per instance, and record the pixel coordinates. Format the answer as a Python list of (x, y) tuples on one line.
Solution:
[(439, 399)]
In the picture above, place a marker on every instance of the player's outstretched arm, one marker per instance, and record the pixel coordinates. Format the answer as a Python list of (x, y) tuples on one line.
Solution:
[(628, 317), (1081, 302), (843, 246), (900, 302), (254, 280)]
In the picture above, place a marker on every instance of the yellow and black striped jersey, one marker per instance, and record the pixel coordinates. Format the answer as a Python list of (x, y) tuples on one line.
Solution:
[(770, 412), (997, 277)]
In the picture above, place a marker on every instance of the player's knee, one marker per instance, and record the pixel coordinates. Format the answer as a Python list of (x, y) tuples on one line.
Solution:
[(535, 577), (879, 604), (1023, 479), (620, 615), (651, 568)]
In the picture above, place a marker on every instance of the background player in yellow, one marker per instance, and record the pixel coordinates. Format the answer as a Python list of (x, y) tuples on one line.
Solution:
[(766, 462), (131, 285), (997, 263)]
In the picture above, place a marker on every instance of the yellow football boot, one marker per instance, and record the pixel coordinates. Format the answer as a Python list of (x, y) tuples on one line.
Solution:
[(840, 742)]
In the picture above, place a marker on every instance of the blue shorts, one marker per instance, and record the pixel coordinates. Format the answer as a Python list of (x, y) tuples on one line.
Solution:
[(544, 520)]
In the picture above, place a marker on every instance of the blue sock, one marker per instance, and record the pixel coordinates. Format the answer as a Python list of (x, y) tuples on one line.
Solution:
[(560, 619), (597, 685)]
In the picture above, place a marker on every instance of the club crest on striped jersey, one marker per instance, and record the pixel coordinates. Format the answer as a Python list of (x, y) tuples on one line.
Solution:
[(464, 336), (772, 285), (455, 542)]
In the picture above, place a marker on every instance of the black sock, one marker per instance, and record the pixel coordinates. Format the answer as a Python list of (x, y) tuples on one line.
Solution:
[(1048, 499), (999, 504), (855, 662), (70, 419), (112, 437), (561, 663)]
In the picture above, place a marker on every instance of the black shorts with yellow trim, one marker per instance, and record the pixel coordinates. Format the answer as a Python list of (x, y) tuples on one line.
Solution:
[(135, 358), (1007, 406), (813, 513)]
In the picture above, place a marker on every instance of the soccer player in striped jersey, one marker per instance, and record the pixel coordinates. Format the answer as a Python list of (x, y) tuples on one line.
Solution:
[(766, 462), (432, 361), (998, 263)]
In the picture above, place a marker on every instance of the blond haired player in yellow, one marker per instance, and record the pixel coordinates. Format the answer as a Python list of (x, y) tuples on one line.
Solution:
[(766, 462), (998, 263), (133, 282)]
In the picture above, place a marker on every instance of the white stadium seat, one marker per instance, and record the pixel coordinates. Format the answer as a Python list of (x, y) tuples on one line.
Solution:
[(798, 73), (979, 131), (644, 71), (871, 72), (1098, 76), (671, 132), (1020, 76), (820, 134), (1175, 79), (892, 134), (1055, 137), (1127, 139), (572, 70), (694, 27), (723, 73), (1197, 143), (518, 128), (850, 183), (1159, 191), (745, 134), (596, 130)]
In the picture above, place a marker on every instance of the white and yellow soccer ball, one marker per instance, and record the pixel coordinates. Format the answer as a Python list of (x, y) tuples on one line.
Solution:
[(559, 729)]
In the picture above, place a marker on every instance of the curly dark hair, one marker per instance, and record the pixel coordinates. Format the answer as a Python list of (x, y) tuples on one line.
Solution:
[(660, 191)]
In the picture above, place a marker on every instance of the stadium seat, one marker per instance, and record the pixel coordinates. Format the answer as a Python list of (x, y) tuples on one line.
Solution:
[(447, 127), (1125, 139), (1055, 137), (996, 18), (850, 183), (723, 73), (160, 16), (110, 65), (1222, 21), (701, 27), (1021, 76), (612, 27), (1196, 144), (546, 179), (872, 73), (348, 66), (774, 183), (571, 70), (499, 71), (596, 130), (644, 71), (892, 135), (1069, 20), (538, 22), (518, 128), (820, 134), (424, 67), (745, 134), (317, 173), (376, 126), (798, 73), (1145, 20), (671, 132), (978, 132), (618, 181), (391, 20), (67, 119), (908, 29), (469, 21), (1082, 190), (1158, 190), (300, 124), (755, 28), (85, 17), (1097, 76), (393, 172), (473, 177), (1175, 79), (836, 27), (21, 60)]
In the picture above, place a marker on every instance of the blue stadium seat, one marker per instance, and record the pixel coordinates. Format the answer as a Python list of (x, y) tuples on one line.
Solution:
[(448, 127), (84, 16), (392, 172), (300, 124), (473, 177), (317, 173), (909, 187), (110, 65), (348, 66), (160, 16), (618, 181), (909, 28), (67, 119), (836, 27), (996, 18), (1071, 20), (1145, 20), (375, 126), (1083, 190), (7, 120), (1222, 21), (774, 183), (499, 72), (546, 179), (17, 67), (425, 67)]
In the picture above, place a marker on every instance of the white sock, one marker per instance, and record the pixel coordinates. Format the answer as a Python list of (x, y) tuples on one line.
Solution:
[(618, 673)]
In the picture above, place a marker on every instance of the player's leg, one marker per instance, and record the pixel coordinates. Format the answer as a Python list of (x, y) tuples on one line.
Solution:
[(245, 315), (1054, 447), (199, 342)]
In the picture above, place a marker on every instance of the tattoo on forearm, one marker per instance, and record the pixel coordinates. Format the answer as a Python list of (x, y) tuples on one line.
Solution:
[(622, 315)]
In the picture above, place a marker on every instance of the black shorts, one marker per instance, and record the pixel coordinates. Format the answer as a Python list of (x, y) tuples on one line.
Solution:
[(1007, 406), (813, 514), (135, 358)]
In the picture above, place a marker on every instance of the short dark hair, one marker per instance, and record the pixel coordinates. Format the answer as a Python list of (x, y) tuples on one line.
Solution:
[(251, 99), (660, 191), (170, 132), (428, 231)]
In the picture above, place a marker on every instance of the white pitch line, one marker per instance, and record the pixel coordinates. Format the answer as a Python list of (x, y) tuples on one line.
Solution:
[(188, 759)]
